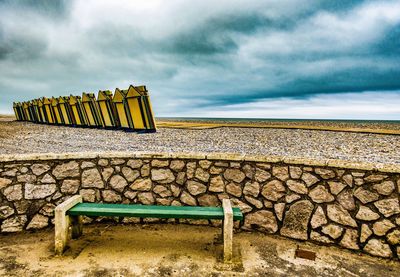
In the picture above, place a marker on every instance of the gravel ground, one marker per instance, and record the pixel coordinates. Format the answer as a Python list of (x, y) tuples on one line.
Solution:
[(23, 137)]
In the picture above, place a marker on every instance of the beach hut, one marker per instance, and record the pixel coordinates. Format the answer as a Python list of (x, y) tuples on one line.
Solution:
[(28, 110), (147, 108), (91, 109), (58, 118), (25, 108), (15, 109), (23, 115), (119, 101), (32, 108), (107, 109), (135, 109), (42, 112), (65, 110), (78, 111), (48, 109), (35, 111), (18, 111), (24, 112)]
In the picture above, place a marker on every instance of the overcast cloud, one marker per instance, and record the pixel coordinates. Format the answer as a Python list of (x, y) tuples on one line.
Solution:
[(226, 58)]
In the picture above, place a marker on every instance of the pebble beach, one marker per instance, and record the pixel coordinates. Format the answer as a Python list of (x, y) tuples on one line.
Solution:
[(24, 138)]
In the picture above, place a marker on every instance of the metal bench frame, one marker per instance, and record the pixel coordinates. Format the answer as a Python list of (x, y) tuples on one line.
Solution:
[(67, 226)]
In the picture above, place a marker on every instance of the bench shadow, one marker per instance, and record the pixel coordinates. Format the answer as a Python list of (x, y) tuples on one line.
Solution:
[(134, 239)]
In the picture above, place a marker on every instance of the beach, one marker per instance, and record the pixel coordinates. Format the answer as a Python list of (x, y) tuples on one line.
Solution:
[(321, 184), (320, 144)]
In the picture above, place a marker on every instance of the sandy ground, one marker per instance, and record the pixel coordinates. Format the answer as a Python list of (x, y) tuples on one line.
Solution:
[(176, 250), (359, 124), (6, 118), (373, 127)]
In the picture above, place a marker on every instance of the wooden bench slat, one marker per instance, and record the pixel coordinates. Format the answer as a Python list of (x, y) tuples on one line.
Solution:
[(127, 210)]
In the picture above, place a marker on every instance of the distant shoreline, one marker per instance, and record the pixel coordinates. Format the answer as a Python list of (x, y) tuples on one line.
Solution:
[(240, 119), (219, 119)]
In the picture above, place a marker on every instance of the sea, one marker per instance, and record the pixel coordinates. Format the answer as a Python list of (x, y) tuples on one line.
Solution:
[(219, 119)]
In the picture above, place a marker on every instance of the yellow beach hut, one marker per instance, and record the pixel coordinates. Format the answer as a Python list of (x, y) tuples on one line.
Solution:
[(42, 112), (18, 111), (48, 109), (35, 111), (92, 110), (78, 111), (25, 107), (147, 108), (58, 119), (119, 101), (63, 103), (107, 108)]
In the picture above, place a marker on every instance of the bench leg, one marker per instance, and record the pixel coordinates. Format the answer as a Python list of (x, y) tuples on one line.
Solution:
[(62, 223), (77, 226), (227, 230)]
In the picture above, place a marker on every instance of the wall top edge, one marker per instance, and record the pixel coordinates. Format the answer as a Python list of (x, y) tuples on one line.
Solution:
[(335, 163)]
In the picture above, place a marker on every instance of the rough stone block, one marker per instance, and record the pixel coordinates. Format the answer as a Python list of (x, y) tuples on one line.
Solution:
[(295, 223)]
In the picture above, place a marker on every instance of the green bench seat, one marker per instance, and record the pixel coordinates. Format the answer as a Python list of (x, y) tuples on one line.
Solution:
[(143, 211), (68, 218)]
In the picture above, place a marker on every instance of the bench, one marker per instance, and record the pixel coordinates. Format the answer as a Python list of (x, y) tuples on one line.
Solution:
[(68, 218)]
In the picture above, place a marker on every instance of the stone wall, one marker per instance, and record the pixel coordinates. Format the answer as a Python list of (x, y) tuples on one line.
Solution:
[(352, 205)]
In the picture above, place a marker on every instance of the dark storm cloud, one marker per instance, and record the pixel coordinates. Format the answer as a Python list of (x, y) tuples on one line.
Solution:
[(44, 7), (389, 46), (199, 55), (215, 35), (357, 80), (338, 4), (22, 49)]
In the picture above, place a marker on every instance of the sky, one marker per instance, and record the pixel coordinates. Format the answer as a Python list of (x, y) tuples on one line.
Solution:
[(330, 59)]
